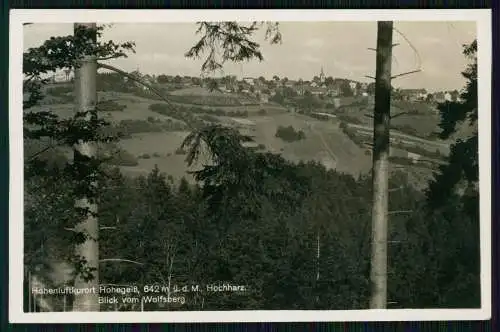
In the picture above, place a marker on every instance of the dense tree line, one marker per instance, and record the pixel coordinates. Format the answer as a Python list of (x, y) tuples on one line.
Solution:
[(257, 226)]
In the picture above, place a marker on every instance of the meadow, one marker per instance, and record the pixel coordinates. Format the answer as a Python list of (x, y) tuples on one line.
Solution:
[(153, 131)]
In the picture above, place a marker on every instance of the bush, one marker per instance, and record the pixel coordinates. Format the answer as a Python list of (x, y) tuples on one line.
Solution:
[(60, 91), (213, 100), (349, 119), (289, 134), (351, 133), (129, 127), (401, 161), (180, 151), (406, 129), (179, 113), (110, 106), (321, 117)]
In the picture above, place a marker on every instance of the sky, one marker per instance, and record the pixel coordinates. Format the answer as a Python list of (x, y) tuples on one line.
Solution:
[(340, 48)]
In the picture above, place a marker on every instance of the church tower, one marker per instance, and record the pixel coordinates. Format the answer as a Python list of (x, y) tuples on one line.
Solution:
[(322, 76)]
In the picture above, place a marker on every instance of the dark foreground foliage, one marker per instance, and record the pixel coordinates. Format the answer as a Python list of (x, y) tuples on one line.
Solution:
[(297, 236)]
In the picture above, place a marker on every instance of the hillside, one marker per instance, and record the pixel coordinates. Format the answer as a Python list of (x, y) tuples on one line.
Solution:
[(153, 131)]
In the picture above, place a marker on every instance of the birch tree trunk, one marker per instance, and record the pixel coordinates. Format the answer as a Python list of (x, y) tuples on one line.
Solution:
[(380, 175), (86, 99)]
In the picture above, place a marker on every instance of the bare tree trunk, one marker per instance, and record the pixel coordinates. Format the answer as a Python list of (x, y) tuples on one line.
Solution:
[(380, 178), (317, 262), (317, 255), (86, 99)]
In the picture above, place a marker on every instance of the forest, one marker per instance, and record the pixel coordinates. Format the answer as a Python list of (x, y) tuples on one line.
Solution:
[(295, 235)]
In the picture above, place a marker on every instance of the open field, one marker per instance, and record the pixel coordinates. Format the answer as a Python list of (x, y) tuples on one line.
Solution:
[(420, 119), (324, 141)]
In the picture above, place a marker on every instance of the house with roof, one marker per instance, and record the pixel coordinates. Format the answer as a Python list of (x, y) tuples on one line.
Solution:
[(439, 97), (249, 80), (413, 94)]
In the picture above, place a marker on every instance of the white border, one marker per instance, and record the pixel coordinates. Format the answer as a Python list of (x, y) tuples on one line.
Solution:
[(17, 17)]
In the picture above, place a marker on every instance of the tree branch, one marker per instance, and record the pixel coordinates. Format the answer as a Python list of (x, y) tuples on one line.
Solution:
[(396, 189), (110, 57), (119, 260), (407, 73), (400, 211), (33, 156)]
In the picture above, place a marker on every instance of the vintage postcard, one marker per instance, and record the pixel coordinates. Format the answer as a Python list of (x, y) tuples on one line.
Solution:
[(246, 166)]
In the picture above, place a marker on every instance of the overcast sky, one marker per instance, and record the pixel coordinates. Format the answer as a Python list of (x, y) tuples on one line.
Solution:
[(339, 47)]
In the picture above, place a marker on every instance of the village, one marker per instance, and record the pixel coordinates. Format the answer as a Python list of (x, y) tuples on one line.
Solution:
[(265, 89)]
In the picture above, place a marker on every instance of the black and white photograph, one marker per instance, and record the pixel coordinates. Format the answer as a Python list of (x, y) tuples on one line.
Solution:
[(196, 166)]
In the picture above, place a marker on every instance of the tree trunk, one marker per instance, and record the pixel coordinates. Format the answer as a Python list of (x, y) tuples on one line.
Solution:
[(380, 175), (86, 99)]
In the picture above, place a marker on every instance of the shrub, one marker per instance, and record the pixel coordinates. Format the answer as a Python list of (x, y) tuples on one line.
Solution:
[(319, 116), (139, 126), (60, 91), (349, 119), (110, 106), (180, 151), (289, 134), (407, 129), (351, 133), (401, 160)]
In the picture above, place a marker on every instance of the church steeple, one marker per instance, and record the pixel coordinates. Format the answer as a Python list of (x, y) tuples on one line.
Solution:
[(322, 76)]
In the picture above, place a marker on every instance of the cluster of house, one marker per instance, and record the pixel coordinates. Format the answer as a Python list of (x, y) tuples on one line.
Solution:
[(319, 86), (62, 76), (263, 89), (423, 95)]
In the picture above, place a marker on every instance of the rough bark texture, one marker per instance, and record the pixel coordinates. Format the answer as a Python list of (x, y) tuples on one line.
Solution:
[(381, 125), (86, 99)]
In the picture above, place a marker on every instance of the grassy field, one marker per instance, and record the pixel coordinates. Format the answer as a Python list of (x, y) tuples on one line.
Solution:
[(420, 119), (324, 141)]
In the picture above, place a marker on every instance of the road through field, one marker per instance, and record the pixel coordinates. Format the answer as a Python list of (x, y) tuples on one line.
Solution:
[(409, 137)]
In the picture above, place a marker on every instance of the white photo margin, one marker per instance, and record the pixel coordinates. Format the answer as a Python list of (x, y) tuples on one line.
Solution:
[(482, 17)]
